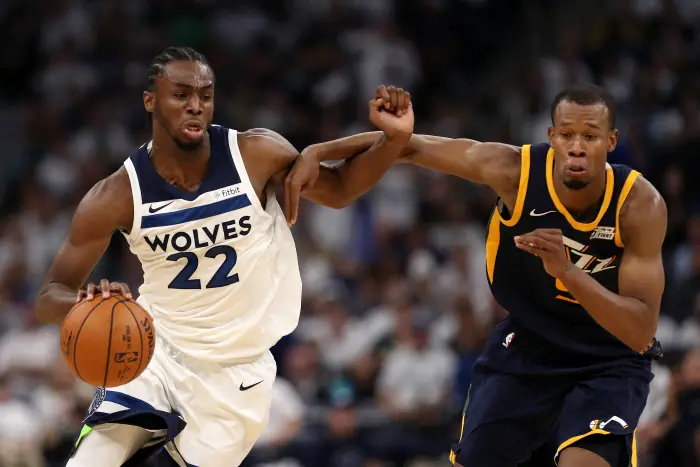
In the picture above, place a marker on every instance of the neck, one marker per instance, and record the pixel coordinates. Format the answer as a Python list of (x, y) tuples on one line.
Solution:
[(177, 166), (580, 200)]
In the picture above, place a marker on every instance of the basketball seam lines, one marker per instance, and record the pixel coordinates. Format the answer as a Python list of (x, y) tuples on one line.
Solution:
[(77, 334), (138, 326), (109, 345)]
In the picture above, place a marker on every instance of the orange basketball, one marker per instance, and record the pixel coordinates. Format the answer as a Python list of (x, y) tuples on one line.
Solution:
[(107, 343)]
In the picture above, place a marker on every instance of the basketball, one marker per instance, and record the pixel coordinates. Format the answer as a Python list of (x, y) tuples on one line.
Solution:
[(107, 342)]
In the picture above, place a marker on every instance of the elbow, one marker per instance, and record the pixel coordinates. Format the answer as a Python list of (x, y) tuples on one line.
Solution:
[(339, 203), (644, 339), (42, 307), (39, 307), (342, 196)]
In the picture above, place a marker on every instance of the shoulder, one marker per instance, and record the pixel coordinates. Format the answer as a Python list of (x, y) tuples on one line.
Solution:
[(115, 187), (506, 169), (643, 215), (262, 141), (109, 201), (266, 154)]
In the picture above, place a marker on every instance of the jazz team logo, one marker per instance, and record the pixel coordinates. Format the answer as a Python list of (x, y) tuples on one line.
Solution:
[(577, 253), (598, 425), (590, 264)]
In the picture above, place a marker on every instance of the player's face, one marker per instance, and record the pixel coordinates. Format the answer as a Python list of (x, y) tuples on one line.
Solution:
[(581, 138), (183, 102)]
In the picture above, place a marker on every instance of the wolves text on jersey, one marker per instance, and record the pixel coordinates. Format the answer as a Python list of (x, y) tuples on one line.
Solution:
[(200, 237)]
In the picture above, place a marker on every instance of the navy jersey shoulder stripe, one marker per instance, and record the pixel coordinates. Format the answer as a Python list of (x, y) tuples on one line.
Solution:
[(195, 213), (221, 173)]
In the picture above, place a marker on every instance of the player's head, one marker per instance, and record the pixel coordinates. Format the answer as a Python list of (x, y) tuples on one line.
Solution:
[(180, 95), (582, 133)]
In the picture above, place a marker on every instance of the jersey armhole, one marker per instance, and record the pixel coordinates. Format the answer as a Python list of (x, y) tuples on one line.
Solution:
[(626, 188), (522, 187), (136, 195), (238, 163)]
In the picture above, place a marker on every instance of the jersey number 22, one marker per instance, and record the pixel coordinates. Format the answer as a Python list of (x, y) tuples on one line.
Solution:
[(221, 278)]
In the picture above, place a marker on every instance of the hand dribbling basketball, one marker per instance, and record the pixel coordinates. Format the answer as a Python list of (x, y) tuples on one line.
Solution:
[(106, 288), (107, 339)]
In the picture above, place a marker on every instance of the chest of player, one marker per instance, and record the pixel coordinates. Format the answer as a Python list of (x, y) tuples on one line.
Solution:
[(590, 247), (223, 219)]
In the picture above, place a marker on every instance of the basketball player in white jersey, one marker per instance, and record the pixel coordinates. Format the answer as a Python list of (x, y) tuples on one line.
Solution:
[(221, 277)]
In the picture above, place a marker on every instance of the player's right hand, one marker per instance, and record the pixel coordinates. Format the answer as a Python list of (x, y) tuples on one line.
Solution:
[(106, 288)]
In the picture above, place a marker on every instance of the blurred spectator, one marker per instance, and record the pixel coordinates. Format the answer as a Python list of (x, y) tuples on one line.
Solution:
[(396, 302)]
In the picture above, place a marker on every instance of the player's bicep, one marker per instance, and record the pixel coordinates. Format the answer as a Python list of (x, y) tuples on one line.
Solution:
[(643, 225), (642, 277), (95, 219), (493, 164)]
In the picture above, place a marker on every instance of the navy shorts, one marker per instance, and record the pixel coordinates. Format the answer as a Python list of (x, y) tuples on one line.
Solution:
[(508, 417)]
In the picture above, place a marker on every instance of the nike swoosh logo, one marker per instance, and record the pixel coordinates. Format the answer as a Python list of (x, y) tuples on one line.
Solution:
[(245, 388), (152, 210), (538, 214)]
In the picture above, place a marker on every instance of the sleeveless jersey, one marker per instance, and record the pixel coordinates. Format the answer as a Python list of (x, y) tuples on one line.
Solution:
[(221, 276), (519, 283)]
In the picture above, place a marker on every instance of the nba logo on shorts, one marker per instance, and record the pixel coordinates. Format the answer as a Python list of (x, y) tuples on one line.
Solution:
[(97, 400), (508, 340)]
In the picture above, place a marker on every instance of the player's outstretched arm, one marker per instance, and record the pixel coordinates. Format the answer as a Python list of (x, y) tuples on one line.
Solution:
[(494, 164), (632, 314), (105, 208), (360, 166)]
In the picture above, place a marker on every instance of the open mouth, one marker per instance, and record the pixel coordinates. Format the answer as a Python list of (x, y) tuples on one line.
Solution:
[(193, 129)]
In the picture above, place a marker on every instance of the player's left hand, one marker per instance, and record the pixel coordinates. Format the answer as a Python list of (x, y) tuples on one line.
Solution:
[(391, 111), (302, 176), (547, 245)]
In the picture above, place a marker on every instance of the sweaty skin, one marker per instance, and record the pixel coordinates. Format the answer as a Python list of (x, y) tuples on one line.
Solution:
[(184, 104)]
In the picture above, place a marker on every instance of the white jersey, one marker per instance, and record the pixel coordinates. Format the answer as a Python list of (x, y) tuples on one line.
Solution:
[(221, 275)]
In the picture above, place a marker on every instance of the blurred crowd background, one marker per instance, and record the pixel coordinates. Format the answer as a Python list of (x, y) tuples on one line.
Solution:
[(396, 304)]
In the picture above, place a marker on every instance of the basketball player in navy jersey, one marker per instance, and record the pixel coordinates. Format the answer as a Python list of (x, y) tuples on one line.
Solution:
[(574, 255), (221, 276)]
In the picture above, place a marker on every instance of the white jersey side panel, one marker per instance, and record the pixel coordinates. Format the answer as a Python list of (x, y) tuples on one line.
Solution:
[(221, 275)]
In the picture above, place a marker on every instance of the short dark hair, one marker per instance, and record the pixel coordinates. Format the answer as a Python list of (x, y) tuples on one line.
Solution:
[(172, 54), (586, 94)]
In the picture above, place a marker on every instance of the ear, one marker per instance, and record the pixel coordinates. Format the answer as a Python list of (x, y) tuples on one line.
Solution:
[(612, 140), (149, 101), (550, 135)]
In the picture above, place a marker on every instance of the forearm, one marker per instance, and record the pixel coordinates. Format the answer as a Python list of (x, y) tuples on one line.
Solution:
[(54, 302), (628, 319), (346, 148), (362, 172), (339, 185), (427, 151)]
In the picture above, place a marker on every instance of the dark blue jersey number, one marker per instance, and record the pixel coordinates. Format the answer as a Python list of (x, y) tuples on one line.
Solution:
[(221, 278)]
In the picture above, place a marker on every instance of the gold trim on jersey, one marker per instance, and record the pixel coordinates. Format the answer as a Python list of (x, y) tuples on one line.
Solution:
[(493, 241), (631, 178), (598, 431), (609, 185), (522, 187), (453, 455), (572, 440)]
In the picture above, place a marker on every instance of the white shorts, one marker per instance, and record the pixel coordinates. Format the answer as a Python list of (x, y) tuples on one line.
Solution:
[(205, 414)]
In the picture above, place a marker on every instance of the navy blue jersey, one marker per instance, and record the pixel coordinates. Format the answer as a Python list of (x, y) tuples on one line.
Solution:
[(534, 299)]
